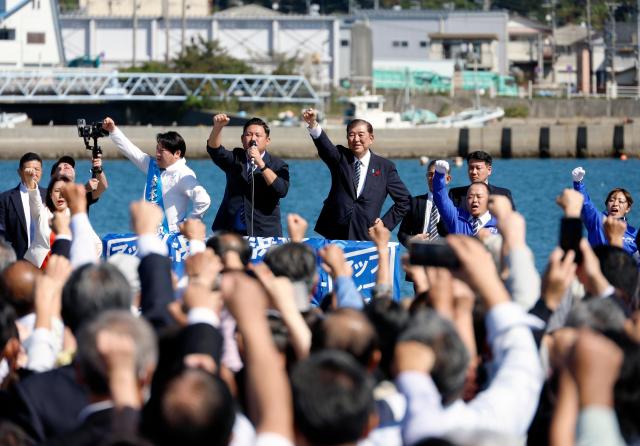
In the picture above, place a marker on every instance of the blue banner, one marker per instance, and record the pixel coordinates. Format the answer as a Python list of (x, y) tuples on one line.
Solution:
[(362, 256)]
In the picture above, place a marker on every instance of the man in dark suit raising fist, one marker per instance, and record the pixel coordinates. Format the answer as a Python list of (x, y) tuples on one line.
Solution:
[(360, 183), (479, 168)]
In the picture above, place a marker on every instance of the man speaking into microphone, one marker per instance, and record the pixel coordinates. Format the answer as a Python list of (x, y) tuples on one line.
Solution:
[(256, 181)]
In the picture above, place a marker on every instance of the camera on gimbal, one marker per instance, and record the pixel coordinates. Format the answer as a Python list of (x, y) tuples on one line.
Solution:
[(89, 132)]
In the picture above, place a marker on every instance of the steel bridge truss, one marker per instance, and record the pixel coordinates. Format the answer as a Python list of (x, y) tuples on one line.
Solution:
[(52, 86)]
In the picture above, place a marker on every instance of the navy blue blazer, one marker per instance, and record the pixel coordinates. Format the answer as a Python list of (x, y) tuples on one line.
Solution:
[(237, 192), (347, 217), (13, 224)]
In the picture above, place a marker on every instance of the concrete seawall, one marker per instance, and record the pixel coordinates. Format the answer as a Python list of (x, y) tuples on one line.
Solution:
[(522, 140)]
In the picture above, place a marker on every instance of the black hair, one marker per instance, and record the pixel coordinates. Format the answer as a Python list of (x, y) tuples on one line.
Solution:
[(92, 289), (52, 182), (480, 155), (620, 269), (485, 185), (172, 141), (626, 391), (452, 358), (8, 327), (256, 121), (389, 319), (29, 156), (224, 241), (356, 122), (332, 398), (7, 254), (293, 260), (203, 416)]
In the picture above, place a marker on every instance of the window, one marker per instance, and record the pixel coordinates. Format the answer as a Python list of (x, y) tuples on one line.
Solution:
[(7, 34), (344, 42), (423, 44), (400, 43), (35, 38)]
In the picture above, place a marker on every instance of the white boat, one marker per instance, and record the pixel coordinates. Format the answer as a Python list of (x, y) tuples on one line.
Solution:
[(9, 120), (370, 108), (469, 118)]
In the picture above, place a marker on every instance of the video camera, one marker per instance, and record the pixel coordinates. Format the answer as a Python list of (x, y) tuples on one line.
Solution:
[(89, 132)]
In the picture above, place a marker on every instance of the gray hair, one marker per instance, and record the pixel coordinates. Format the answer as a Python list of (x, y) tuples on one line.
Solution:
[(90, 362), (452, 358), (7, 254)]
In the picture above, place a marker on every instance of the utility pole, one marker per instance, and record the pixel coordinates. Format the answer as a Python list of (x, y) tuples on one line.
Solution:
[(184, 25), (592, 78), (165, 7), (135, 31)]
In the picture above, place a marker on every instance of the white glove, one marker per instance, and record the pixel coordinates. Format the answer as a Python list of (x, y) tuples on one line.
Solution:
[(442, 167), (578, 174)]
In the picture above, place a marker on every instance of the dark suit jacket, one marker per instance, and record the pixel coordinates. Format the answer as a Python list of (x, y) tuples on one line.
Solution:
[(237, 192), (13, 224), (459, 194), (345, 217), (413, 221)]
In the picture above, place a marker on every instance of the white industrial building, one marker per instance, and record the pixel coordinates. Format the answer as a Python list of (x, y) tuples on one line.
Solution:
[(29, 34)]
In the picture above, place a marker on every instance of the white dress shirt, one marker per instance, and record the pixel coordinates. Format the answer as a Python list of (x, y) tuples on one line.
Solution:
[(315, 133), (507, 406), (427, 213), (179, 183), (24, 198)]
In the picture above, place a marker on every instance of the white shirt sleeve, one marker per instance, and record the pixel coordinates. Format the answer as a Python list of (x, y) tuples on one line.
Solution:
[(151, 244), (523, 282), (197, 194), (509, 403), (83, 241), (315, 132), (41, 350), (130, 150), (272, 439)]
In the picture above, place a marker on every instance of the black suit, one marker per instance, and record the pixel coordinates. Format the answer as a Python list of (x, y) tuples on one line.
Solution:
[(413, 221), (13, 224), (459, 194), (347, 217), (237, 193)]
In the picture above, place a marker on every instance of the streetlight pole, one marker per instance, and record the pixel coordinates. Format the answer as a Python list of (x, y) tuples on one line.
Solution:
[(135, 31), (592, 79)]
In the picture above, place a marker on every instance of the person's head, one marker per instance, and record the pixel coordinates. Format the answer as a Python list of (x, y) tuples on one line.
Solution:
[(620, 269), (90, 364), (478, 198), (452, 359), (431, 171), (65, 166), (30, 160), (9, 340), (255, 132), (7, 254), (359, 137), (233, 249), (332, 399), (389, 319), (626, 393), (20, 278), (92, 289), (197, 408), (170, 147), (54, 199), (618, 202), (479, 166), (295, 261), (350, 331), (602, 315)]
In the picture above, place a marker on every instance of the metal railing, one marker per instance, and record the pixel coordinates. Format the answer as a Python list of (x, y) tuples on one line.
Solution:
[(53, 86)]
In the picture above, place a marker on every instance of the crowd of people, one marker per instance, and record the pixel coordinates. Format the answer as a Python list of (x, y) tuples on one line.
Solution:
[(115, 351)]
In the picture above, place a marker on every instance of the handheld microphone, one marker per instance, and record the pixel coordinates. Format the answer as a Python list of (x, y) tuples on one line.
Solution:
[(253, 143)]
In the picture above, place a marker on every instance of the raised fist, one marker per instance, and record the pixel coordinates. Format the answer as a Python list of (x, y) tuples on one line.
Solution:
[(442, 167), (310, 116), (578, 174), (220, 120)]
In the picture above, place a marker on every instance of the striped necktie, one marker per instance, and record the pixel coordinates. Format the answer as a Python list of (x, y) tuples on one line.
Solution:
[(475, 226), (432, 227), (356, 175)]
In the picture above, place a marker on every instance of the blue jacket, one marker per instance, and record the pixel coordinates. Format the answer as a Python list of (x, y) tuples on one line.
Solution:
[(456, 220), (593, 220)]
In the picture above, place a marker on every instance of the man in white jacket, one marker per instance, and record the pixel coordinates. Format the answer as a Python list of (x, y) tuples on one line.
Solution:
[(177, 185)]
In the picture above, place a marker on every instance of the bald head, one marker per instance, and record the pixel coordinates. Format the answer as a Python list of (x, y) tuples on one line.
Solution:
[(347, 330), (20, 278)]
